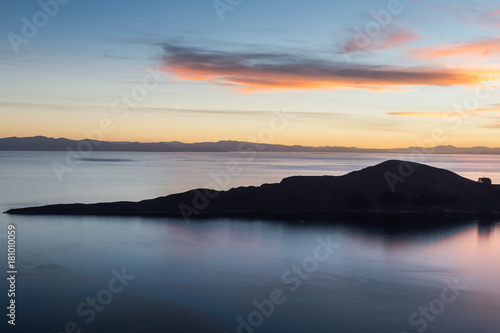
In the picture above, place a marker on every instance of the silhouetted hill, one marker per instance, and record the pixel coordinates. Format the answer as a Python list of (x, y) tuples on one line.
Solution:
[(41, 143), (426, 189)]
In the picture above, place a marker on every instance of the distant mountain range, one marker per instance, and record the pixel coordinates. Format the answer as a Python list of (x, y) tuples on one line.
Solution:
[(427, 189), (41, 143)]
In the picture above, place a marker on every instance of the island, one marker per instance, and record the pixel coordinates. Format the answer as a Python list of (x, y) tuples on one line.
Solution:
[(390, 187)]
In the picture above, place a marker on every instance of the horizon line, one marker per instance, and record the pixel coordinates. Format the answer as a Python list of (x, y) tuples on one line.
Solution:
[(250, 142)]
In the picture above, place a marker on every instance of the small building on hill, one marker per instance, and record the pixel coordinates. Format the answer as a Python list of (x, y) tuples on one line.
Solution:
[(486, 181)]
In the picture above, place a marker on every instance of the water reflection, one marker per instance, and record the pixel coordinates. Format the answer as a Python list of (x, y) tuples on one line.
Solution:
[(485, 230), (201, 277)]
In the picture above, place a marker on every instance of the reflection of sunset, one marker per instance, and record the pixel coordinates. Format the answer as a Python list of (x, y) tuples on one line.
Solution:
[(475, 250)]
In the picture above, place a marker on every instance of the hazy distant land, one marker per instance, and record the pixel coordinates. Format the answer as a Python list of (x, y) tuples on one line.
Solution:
[(41, 143)]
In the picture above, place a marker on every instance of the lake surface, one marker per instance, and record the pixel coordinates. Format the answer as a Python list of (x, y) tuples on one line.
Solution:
[(231, 275)]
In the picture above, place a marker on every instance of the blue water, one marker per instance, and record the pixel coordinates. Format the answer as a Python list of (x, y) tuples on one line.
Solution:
[(208, 276)]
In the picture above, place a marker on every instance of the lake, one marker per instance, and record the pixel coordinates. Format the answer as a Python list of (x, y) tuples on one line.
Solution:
[(117, 274)]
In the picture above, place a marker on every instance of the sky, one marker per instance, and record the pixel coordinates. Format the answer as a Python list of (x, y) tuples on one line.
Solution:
[(371, 74)]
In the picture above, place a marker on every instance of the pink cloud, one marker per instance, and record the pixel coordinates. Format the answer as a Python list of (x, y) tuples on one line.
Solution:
[(398, 39), (484, 48), (386, 39), (491, 18)]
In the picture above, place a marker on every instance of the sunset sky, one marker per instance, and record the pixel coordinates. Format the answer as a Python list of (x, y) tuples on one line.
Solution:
[(349, 73)]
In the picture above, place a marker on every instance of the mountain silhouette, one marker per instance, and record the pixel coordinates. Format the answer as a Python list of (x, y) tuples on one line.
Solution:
[(41, 143)]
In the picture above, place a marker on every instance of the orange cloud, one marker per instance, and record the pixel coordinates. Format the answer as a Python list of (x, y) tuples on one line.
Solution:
[(271, 72), (482, 48)]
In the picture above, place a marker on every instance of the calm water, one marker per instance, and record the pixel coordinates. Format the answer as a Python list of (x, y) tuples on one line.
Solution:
[(214, 275)]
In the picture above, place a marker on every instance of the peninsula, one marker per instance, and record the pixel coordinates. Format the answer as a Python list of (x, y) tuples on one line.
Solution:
[(391, 186)]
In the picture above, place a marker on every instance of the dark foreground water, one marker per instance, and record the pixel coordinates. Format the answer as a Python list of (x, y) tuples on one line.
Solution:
[(98, 274)]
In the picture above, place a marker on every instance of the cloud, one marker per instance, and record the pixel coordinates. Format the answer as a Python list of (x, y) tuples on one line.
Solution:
[(489, 18), (49, 107), (418, 114), (398, 38), (249, 72), (481, 13), (495, 125), (492, 112), (483, 48), (252, 113), (476, 113), (113, 56), (386, 39)]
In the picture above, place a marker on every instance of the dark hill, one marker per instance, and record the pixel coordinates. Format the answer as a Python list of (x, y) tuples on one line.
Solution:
[(392, 186)]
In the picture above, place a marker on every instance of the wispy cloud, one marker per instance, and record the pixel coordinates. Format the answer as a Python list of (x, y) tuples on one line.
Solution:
[(418, 114), (274, 71), (388, 38), (179, 110), (495, 125), (470, 11), (489, 18), (397, 39), (477, 113), (483, 48), (252, 113)]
